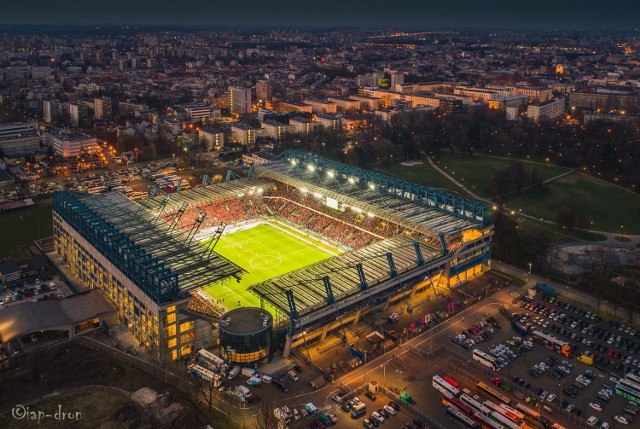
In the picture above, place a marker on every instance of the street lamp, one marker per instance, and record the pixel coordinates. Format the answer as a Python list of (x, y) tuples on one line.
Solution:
[(530, 268)]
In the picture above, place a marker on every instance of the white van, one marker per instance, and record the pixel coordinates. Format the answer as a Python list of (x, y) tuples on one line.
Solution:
[(292, 375), (266, 379), (233, 373), (248, 372)]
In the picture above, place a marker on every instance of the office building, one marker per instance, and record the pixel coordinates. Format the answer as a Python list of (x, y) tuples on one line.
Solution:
[(69, 144), (239, 100), (19, 139), (198, 112), (548, 111), (51, 110)]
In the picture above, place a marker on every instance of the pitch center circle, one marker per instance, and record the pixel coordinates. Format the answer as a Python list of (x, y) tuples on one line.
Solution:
[(265, 262)]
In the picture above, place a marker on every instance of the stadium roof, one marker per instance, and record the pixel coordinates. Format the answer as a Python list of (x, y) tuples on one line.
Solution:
[(162, 261), (198, 196), (25, 318), (307, 283), (426, 210)]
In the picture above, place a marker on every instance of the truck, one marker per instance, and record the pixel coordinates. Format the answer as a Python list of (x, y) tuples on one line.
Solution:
[(519, 328), (318, 382), (545, 288), (233, 373), (248, 372), (501, 384)]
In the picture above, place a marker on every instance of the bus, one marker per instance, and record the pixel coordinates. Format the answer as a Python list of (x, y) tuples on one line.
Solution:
[(489, 392), (486, 422), (451, 382), (528, 411), (460, 419), (451, 401), (97, 190), (519, 417), (205, 374), (628, 390), (552, 343), (631, 376), (443, 387), (486, 360), (475, 404), (508, 414), (209, 360), (508, 424)]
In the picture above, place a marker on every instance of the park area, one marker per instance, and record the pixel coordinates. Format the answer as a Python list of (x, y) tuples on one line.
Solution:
[(607, 207), (265, 251)]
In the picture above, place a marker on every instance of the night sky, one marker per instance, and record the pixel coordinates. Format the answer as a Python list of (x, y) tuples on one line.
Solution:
[(509, 14)]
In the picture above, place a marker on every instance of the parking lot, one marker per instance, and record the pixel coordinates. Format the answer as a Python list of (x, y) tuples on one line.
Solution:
[(576, 388)]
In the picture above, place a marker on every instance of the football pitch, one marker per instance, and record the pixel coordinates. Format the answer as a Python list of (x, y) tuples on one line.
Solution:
[(264, 251)]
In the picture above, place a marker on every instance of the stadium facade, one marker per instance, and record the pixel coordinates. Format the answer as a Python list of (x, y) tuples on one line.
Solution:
[(397, 239)]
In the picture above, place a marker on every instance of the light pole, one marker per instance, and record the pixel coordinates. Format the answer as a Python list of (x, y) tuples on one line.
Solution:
[(621, 231), (530, 268)]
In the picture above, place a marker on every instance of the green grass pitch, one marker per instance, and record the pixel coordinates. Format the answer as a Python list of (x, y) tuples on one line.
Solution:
[(264, 251)]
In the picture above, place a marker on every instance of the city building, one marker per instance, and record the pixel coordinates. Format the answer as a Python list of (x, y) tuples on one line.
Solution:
[(302, 125), (606, 101), (197, 112), (321, 106), (264, 91), (19, 139), (243, 134), (77, 112), (239, 100), (213, 137), (71, 144), (103, 108), (274, 129), (550, 110), (51, 110), (329, 122)]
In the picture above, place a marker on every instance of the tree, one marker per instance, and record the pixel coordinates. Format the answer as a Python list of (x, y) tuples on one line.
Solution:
[(264, 417)]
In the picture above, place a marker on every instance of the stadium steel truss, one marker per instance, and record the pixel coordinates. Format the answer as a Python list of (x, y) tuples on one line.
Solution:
[(163, 263)]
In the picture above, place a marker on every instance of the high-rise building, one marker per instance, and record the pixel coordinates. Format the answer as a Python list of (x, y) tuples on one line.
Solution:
[(239, 100), (77, 112), (51, 110), (103, 108), (396, 78), (264, 90)]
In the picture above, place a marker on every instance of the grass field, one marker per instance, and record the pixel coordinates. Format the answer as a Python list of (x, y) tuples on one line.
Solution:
[(264, 251), (608, 206), (475, 171), (20, 228)]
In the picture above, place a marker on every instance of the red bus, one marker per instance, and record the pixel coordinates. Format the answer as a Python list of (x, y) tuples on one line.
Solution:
[(450, 401), (451, 382)]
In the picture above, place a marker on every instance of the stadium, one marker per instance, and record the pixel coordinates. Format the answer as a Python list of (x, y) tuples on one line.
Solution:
[(311, 243)]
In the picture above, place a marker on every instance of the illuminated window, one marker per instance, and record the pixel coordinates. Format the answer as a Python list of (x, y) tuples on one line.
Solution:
[(186, 326), (185, 338), (174, 354), (171, 309), (171, 318), (172, 343), (171, 330)]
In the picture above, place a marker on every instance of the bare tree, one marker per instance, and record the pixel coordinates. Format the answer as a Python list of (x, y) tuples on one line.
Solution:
[(207, 390), (265, 418)]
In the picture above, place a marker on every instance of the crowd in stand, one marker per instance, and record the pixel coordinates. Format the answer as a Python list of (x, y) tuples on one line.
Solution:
[(350, 227)]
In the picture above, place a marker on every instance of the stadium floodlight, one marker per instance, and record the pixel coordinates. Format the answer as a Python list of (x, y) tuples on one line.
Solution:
[(260, 190), (331, 174), (311, 167), (352, 180), (372, 186), (294, 161), (370, 214), (317, 195)]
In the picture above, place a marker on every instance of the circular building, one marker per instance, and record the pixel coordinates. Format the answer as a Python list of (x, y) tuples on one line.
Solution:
[(245, 335)]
